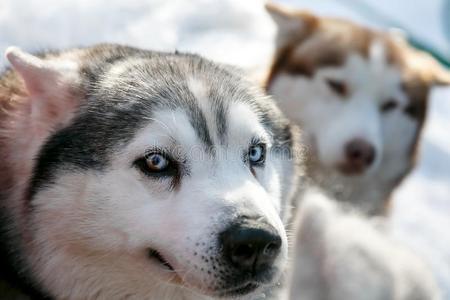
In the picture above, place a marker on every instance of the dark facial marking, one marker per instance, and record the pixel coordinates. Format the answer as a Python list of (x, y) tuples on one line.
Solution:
[(221, 110), (388, 105), (417, 92), (339, 87), (198, 122)]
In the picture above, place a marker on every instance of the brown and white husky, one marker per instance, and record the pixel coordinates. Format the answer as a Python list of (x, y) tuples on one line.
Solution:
[(360, 97)]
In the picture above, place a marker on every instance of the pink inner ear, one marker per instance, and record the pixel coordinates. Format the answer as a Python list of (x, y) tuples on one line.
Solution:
[(50, 101), (37, 115), (33, 70), (48, 85), (37, 84)]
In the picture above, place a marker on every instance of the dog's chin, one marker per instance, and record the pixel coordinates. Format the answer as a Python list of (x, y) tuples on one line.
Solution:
[(166, 269), (239, 291), (355, 171), (248, 287), (340, 169), (351, 171)]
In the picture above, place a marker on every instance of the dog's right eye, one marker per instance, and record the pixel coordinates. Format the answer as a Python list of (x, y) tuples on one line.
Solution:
[(157, 164), (389, 105), (337, 86)]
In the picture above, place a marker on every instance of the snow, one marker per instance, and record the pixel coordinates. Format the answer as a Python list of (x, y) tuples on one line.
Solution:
[(239, 32)]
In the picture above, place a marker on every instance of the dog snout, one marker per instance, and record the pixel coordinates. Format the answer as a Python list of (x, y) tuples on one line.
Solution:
[(251, 246), (359, 156)]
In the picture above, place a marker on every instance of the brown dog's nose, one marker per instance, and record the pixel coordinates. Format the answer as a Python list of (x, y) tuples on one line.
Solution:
[(359, 156)]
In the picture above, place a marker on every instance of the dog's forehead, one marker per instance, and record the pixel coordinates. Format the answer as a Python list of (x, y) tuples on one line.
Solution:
[(193, 95), (373, 75), (174, 130), (361, 54), (305, 55), (371, 61)]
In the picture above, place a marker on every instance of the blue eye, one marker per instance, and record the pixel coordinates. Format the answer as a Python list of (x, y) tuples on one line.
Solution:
[(156, 162), (256, 154)]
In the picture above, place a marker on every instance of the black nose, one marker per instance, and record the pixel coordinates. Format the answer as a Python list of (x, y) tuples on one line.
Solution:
[(250, 245), (359, 155)]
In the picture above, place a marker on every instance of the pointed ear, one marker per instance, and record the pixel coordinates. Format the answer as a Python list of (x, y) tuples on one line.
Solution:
[(431, 70), (291, 24), (42, 77), (441, 76)]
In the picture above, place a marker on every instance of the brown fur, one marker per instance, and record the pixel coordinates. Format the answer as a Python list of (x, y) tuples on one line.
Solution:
[(305, 53)]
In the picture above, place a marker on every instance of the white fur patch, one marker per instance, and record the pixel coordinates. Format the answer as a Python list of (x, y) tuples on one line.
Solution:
[(341, 255)]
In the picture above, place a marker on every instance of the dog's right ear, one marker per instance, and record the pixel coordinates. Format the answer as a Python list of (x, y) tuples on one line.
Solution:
[(50, 90), (42, 77), (292, 25)]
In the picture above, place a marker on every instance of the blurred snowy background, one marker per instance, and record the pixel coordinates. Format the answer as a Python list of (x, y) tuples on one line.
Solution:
[(240, 32)]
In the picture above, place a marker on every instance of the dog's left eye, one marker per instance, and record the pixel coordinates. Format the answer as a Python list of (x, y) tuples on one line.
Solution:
[(256, 154)]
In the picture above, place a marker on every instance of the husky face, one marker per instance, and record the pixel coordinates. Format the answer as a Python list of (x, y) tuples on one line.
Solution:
[(360, 96), (169, 179), (355, 113)]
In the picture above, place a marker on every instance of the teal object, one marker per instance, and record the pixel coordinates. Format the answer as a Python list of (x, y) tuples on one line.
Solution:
[(370, 12), (446, 19)]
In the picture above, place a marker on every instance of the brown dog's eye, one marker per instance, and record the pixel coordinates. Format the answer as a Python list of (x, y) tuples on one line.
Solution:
[(389, 105), (412, 110), (338, 86)]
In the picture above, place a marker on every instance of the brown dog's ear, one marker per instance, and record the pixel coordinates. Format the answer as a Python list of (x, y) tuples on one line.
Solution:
[(42, 77), (291, 24), (425, 67), (441, 76)]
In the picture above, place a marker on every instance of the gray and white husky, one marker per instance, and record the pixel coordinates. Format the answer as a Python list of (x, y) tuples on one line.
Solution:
[(134, 174)]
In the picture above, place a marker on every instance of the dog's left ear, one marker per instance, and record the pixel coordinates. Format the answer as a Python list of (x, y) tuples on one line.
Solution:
[(428, 68), (436, 74), (441, 77), (291, 24)]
